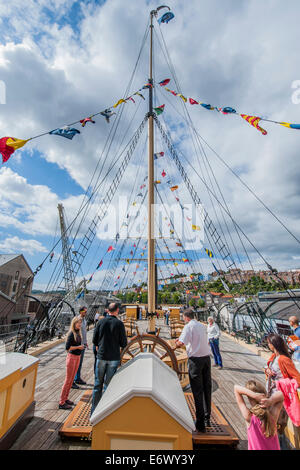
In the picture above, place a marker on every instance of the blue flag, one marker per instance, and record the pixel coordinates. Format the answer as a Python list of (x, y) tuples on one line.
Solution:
[(166, 17), (81, 294), (66, 131)]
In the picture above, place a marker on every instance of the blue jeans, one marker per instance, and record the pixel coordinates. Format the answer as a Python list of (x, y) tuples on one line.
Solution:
[(214, 345), (95, 358), (77, 376), (105, 371)]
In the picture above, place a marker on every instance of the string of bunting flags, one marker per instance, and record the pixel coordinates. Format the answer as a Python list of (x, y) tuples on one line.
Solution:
[(252, 120), (8, 145)]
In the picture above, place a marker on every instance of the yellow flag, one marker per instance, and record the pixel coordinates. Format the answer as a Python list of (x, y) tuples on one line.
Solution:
[(119, 102), (157, 182), (182, 97), (175, 264), (196, 227), (16, 143)]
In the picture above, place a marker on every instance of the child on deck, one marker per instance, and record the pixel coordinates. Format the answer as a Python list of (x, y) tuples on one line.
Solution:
[(262, 417)]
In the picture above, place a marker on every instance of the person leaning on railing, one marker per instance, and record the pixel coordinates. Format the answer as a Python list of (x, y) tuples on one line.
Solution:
[(283, 376)]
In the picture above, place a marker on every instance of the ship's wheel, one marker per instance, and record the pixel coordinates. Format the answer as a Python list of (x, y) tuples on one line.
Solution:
[(145, 343)]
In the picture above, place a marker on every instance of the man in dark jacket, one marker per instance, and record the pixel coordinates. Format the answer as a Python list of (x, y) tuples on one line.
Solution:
[(109, 337)]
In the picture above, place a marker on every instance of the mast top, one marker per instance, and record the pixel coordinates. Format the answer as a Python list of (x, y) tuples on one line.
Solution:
[(154, 12)]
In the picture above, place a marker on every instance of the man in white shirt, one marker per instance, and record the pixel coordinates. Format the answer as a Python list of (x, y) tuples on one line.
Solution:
[(194, 337)]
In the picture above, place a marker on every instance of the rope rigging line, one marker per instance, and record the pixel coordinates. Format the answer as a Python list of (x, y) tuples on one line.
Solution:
[(196, 256), (237, 232), (70, 226), (197, 260), (210, 228), (131, 147), (227, 166), (113, 269), (240, 278), (194, 252), (196, 196), (172, 70), (100, 242), (110, 271)]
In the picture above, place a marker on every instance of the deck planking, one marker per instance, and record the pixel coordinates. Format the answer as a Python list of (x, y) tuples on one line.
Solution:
[(42, 433)]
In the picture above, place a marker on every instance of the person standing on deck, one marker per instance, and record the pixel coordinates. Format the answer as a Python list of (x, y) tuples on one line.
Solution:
[(95, 347), (194, 337), (213, 334), (282, 375), (167, 314), (109, 337), (74, 347), (78, 379), (96, 318), (280, 364)]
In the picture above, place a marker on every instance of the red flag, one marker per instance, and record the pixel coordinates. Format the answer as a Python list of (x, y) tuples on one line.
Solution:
[(193, 101), (8, 145), (165, 82), (100, 264), (85, 120), (163, 174), (109, 249)]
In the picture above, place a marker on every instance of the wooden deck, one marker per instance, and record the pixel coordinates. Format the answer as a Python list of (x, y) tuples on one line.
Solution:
[(42, 433)]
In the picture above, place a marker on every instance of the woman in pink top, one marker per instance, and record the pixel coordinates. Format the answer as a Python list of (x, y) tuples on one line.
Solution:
[(262, 417)]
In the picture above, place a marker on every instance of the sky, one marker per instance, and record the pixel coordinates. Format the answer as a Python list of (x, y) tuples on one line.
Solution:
[(62, 60)]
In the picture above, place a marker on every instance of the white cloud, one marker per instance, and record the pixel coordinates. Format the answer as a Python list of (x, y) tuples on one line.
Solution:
[(16, 245), (30, 208)]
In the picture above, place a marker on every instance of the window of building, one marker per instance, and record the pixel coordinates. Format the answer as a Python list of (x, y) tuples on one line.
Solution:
[(17, 275), (14, 287)]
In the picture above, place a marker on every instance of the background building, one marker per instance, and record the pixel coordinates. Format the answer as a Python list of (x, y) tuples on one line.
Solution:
[(16, 276)]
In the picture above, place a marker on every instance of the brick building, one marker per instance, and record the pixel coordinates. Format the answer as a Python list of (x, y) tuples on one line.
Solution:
[(15, 276)]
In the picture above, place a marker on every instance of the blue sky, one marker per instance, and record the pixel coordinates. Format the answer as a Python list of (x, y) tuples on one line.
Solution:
[(63, 60)]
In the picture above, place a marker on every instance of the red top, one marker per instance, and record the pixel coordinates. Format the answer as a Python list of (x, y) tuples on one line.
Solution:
[(287, 367)]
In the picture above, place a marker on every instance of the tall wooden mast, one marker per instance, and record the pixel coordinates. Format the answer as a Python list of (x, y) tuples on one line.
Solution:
[(151, 240)]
